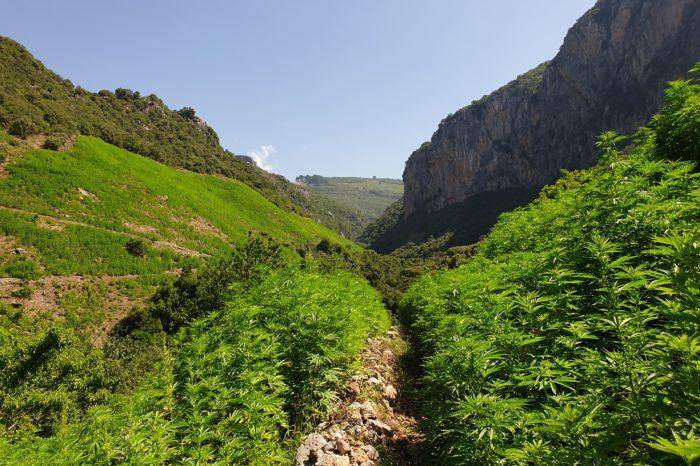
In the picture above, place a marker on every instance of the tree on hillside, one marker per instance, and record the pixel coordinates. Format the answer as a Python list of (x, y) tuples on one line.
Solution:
[(188, 113)]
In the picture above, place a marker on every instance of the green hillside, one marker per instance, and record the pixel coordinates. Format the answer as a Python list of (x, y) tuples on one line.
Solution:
[(371, 196), (114, 193), (99, 210), (105, 256), (36, 101), (571, 337)]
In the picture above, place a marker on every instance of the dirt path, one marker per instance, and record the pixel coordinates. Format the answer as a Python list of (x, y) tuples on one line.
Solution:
[(372, 424)]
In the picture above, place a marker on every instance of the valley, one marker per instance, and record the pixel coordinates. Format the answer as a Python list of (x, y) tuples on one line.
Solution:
[(528, 294), (371, 196)]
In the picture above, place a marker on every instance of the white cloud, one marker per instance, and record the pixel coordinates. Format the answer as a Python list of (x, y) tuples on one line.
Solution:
[(261, 156)]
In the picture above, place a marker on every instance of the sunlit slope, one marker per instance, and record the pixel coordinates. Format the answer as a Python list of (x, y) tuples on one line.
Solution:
[(74, 211)]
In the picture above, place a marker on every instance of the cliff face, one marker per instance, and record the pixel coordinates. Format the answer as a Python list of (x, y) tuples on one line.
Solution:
[(608, 74)]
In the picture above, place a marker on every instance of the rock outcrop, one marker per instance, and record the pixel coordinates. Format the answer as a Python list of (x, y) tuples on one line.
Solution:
[(608, 74)]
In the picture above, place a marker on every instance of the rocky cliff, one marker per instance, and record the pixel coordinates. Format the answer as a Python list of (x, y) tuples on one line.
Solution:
[(608, 74)]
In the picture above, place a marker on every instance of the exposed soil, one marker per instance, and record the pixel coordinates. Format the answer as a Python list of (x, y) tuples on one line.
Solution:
[(201, 225), (178, 249), (143, 229)]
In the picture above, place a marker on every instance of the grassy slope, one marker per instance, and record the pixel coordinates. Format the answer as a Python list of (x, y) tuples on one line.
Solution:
[(371, 196), (133, 197), (34, 100)]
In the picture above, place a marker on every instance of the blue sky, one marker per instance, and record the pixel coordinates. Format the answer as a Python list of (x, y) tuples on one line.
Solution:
[(337, 88)]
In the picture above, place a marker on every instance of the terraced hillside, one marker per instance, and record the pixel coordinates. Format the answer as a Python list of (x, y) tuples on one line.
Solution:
[(99, 211)]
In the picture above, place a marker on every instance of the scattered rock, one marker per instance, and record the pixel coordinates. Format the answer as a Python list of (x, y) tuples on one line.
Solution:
[(342, 446), (87, 194), (315, 442), (390, 392), (371, 452), (374, 381), (354, 387), (358, 456), (303, 454), (20, 251), (380, 427), (330, 459)]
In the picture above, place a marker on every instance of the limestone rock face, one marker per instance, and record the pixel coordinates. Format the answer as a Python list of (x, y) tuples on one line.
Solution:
[(608, 74)]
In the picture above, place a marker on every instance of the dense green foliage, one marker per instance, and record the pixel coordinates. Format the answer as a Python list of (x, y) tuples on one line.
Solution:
[(390, 274), (242, 382), (47, 374), (677, 127), (197, 293), (370, 196), (34, 100), (572, 336)]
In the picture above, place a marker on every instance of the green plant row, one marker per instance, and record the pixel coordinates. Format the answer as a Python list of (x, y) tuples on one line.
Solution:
[(240, 385), (573, 335)]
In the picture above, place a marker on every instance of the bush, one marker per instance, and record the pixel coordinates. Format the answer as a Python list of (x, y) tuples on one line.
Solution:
[(55, 141), (24, 269), (126, 94), (187, 113), (135, 247), (678, 125), (24, 292), (48, 376), (195, 294), (22, 128)]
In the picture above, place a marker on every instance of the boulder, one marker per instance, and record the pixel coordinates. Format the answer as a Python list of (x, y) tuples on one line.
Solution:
[(330, 459)]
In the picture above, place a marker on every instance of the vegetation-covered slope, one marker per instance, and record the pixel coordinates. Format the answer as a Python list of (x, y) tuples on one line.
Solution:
[(238, 386), (459, 224), (572, 335), (34, 100), (371, 196), (76, 210)]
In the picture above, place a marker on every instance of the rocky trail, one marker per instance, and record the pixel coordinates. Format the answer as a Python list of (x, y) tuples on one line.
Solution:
[(372, 423)]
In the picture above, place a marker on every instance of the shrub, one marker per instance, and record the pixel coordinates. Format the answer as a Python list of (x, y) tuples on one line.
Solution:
[(55, 141), (24, 269), (195, 294), (188, 113), (135, 247), (48, 376), (678, 124), (22, 128), (125, 94), (24, 292)]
